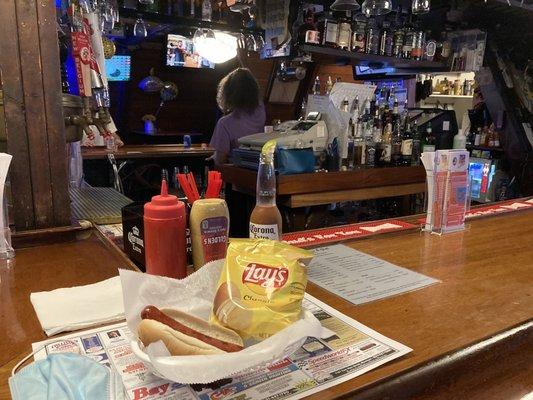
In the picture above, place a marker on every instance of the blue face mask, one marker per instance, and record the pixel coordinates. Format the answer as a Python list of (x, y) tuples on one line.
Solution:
[(66, 376)]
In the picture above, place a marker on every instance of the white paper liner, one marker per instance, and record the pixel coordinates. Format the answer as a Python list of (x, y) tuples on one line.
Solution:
[(194, 295)]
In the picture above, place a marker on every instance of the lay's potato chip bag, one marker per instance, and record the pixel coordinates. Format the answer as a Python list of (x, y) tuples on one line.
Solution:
[(261, 287)]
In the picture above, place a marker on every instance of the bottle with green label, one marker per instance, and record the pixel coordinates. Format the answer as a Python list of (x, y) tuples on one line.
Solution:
[(429, 140)]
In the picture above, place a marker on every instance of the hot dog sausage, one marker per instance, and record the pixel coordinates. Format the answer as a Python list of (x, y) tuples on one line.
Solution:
[(152, 312)]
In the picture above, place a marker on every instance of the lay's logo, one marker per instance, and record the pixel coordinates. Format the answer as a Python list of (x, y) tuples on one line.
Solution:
[(265, 276)]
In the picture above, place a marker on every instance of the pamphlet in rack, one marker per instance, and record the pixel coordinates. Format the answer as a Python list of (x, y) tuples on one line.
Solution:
[(448, 200), (317, 365)]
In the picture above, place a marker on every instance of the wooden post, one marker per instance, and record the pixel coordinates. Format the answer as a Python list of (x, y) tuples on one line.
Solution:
[(29, 64)]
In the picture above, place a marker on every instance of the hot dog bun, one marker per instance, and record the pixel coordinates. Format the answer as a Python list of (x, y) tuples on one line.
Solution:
[(184, 334)]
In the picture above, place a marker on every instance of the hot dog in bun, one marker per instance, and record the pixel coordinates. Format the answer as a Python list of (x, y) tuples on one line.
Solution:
[(184, 334)]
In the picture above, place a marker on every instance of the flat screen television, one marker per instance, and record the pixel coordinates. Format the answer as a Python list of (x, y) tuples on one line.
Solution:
[(118, 68), (362, 72), (180, 52)]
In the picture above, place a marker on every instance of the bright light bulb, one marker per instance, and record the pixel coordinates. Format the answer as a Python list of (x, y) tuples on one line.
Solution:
[(218, 49)]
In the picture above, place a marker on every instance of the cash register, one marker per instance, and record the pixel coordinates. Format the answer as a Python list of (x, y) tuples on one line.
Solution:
[(311, 132)]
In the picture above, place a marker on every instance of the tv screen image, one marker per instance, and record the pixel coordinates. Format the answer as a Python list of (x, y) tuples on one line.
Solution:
[(181, 53), (118, 68)]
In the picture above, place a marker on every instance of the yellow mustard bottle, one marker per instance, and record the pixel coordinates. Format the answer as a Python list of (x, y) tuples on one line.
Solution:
[(209, 224)]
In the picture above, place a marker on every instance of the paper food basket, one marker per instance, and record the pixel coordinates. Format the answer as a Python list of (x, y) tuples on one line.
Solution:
[(194, 295)]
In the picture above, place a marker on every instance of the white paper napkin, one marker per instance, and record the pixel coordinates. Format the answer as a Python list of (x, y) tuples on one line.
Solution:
[(69, 309)]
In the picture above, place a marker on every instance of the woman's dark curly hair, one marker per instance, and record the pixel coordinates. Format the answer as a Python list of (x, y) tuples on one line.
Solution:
[(238, 91)]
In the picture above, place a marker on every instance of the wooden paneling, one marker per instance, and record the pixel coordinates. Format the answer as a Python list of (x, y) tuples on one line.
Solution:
[(32, 77), (328, 181), (34, 121), (55, 128), (15, 118), (380, 192)]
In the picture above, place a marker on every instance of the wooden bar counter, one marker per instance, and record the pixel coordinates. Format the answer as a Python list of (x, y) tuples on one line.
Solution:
[(471, 334), (296, 192)]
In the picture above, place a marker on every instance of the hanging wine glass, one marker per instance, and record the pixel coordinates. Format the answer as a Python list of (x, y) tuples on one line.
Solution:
[(420, 6), (108, 17), (147, 2), (139, 29), (372, 8)]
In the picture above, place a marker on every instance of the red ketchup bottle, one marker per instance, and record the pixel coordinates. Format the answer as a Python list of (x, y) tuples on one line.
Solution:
[(164, 235)]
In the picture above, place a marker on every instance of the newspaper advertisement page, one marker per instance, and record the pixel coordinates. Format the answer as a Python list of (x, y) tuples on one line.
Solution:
[(317, 365)]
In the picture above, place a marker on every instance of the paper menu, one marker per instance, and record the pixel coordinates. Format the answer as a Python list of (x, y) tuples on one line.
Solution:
[(343, 90), (361, 278)]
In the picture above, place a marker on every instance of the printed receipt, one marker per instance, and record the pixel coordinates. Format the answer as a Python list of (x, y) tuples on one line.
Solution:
[(359, 277)]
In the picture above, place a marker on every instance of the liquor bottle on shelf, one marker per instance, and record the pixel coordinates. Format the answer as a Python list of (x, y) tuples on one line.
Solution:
[(385, 41), (358, 145), (398, 36), (372, 38), (417, 145), (477, 137), (397, 140), (316, 86), (430, 48), (496, 139), (329, 30), (429, 140), (407, 145), (483, 138), (446, 48), (395, 111), (207, 10), (344, 33), (370, 146), (307, 31), (345, 105), (358, 36), (386, 145), (408, 38), (329, 85), (417, 51)]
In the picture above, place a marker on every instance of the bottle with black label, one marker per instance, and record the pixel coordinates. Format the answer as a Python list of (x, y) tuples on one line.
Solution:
[(417, 145), (407, 145), (396, 152), (372, 38), (398, 36), (385, 41), (408, 38), (329, 31), (358, 36)]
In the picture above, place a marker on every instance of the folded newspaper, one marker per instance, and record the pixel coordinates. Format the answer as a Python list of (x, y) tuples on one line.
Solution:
[(317, 365)]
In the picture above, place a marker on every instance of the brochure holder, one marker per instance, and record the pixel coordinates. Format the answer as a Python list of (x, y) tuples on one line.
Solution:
[(448, 190)]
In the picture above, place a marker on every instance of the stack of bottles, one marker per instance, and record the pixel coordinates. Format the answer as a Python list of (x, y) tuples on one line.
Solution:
[(381, 137)]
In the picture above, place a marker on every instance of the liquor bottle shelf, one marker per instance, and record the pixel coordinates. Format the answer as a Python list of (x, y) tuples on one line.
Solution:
[(451, 96), (338, 56), (484, 148), (182, 21)]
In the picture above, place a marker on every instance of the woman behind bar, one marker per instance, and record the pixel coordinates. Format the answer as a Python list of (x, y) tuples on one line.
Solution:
[(239, 98)]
